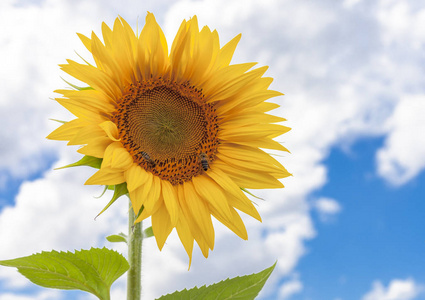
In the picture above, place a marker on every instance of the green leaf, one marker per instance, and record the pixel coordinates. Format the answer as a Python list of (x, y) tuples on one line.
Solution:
[(148, 232), (92, 270), (246, 287), (89, 161), (117, 238), (120, 189)]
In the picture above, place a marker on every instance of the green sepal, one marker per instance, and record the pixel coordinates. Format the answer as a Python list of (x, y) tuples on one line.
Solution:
[(148, 232), (78, 87), (140, 212), (104, 191), (119, 190), (246, 287), (82, 59), (92, 270), (59, 121), (118, 238), (248, 192), (87, 160)]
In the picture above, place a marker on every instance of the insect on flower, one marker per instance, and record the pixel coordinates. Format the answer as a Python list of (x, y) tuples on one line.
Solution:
[(204, 161), (148, 158)]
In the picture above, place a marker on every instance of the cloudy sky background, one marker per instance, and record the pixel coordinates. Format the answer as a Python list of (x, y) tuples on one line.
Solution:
[(348, 225)]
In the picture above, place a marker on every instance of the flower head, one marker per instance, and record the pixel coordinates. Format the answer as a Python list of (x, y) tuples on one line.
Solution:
[(184, 131)]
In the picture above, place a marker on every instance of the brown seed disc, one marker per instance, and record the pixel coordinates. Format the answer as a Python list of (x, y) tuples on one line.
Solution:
[(167, 128)]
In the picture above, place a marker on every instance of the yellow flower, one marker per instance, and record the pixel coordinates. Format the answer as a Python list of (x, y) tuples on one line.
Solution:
[(183, 130)]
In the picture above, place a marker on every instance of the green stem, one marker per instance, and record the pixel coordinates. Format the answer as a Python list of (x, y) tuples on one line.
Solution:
[(134, 275)]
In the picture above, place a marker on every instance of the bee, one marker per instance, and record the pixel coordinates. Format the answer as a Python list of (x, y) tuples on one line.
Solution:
[(204, 161), (146, 156)]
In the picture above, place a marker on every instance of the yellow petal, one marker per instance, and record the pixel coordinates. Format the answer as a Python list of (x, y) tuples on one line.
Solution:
[(256, 99), (252, 132), (109, 152), (266, 143), (235, 223), (111, 130), (136, 199), (106, 61), (130, 34), (67, 131), (213, 194), (234, 194), (81, 110), (180, 49), (186, 237), (193, 226), (94, 77), (248, 98), (244, 205), (89, 45), (148, 185), (91, 98), (107, 35), (226, 53), (237, 120), (85, 40), (266, 106), (246, 153), (152, 50), (202, 56), (86, 134), (170, 199), (135, 176), (153, 200), (106, 177), (96, 147), (234, 85), (246, 179), (199, 212), (222, 79), (161, 226), (122, 39)]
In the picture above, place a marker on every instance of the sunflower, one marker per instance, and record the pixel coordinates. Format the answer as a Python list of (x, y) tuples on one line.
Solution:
[(183, 130)]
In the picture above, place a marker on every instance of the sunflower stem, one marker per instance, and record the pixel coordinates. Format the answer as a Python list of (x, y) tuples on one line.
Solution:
[(134, 275)]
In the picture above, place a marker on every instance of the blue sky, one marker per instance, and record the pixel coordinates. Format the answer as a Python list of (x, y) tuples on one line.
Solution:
[(377, 235), (349, 224)]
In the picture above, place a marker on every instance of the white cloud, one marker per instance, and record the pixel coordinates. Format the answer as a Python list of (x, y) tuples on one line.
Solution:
[(327, 208), (402, 157), (44, 295), (398, 289), (402, 22), (286, 243), (351, 3), (290, 288)]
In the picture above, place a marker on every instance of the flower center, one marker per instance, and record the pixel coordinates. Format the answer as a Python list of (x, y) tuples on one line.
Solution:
[(167, 128)]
